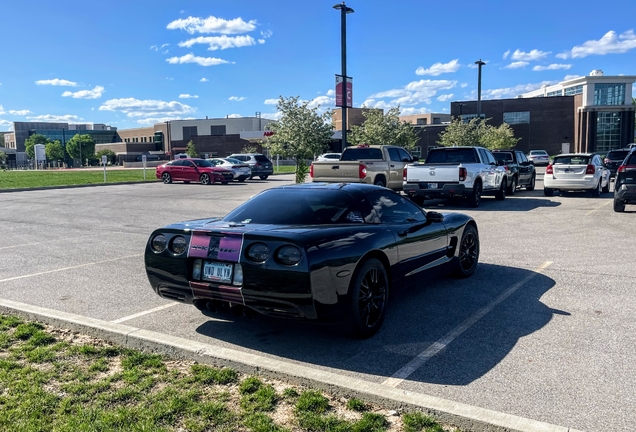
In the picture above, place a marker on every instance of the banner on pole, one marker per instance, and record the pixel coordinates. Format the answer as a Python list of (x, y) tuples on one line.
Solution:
[(344, 92)]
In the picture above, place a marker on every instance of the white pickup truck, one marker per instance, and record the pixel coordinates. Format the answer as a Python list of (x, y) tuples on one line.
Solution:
[(450, 172)]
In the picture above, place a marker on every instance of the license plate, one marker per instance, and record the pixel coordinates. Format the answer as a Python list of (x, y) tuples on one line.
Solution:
[(217, 272), (432, 185)]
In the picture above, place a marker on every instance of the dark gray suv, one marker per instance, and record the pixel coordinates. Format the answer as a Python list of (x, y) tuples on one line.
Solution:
[(261, 166)]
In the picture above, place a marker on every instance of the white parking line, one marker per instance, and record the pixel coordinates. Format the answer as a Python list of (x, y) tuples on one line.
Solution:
[(597, 209), (65, 240), (146, 312), (69, 268), (397, 378)]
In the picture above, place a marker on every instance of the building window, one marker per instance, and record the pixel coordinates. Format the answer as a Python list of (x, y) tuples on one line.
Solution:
[(437, 120), (422, 121), (555, 93), (574, 90), (217, 130), (608, 131), (189, 131), (468, 117), (609, 94), (521, 117)]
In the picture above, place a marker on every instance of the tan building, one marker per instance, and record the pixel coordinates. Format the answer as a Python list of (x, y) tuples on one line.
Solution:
[(355, 117), (426, 119)]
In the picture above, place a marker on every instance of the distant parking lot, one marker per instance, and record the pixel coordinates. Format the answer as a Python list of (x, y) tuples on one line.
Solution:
[(545, 328)]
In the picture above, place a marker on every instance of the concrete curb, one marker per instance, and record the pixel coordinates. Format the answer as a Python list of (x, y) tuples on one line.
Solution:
[(466, 417)]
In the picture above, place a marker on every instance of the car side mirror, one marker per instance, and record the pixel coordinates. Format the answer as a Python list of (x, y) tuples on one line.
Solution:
[(433, 216)]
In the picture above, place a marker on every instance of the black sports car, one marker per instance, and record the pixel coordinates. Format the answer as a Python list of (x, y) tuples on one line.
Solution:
[(319, 251)]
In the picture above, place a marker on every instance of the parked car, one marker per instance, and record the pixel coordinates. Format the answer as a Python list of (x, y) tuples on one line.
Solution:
[(613, 159), (625, 185), (321, 252), (260, 165), (329, 157), (522, 170), (149, 157), (456, 172), (193, 170), (539, 157), (576, 172), (241, 170)]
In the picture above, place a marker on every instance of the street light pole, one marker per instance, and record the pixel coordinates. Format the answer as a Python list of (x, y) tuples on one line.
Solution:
[(479, 64), (344, 10)]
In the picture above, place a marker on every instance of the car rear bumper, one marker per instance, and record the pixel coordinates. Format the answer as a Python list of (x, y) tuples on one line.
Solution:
[(626, 192), (569, 183), (440, 190)]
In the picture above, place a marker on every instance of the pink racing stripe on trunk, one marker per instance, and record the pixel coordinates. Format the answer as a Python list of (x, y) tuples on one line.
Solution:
[(230, 247)]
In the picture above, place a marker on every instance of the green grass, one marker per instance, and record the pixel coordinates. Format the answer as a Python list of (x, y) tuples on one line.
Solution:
[(284, 169), (32, 179), (47, 384)]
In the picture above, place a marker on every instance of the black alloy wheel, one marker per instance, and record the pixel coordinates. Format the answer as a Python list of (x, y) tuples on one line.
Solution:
[(241, 179), (368, 298), (501, 193), (530, 187), (166, 178), (263, 177), (596, 192), (474, 199), (468, 253), (379, 182), (512, 187), (606, 188), (548, 192), (205, 179)]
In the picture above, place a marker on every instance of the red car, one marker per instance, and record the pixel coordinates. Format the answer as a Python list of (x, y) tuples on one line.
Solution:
[(193, 170)]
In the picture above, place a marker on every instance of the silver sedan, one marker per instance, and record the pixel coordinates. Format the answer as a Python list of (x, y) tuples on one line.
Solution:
[(241, 170), (576, 172)]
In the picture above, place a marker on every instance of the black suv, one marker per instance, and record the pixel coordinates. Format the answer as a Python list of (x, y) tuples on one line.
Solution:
[(613, 159), (260, 165), (625, 185), (522, 172)]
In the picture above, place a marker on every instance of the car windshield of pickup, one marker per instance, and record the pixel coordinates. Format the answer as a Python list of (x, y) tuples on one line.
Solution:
[(451, 156), (503, 157), (364, 153)]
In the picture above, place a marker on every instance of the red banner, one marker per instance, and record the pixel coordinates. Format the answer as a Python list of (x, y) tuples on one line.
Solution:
[(344, 92)]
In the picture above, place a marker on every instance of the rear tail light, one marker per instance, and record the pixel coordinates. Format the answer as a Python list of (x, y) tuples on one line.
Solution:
[(404, 174), (624, 168), (362, 171), (463, 173), (591, 169), (311, 171), (621, 168), (549, 170)]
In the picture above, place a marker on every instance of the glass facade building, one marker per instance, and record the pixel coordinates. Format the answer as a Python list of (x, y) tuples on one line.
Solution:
[(63, 135), (608, 131), (609, 94)]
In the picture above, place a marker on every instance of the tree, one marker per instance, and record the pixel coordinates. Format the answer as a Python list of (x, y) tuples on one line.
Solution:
[(250, 148), (87, 145), (112, 157), (477, 133), (31, 141), (191, 151), (3, 157), (300, 133), (498, 138), (54, 150), (381, 129)]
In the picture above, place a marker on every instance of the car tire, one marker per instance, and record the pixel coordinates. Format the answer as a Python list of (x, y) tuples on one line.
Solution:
[(530, 187), (368, 298), (224, 182), (251, 177), (468, 254), (380, 182), (500, 195), (619, 205), (596, 192), (474, 199), (204, 179), (606, 187), (166, 178), (548, 192), (186, 181), (263, 177), (242, 179), (512, 187)]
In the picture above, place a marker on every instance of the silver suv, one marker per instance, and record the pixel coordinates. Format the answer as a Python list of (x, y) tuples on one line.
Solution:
[(261, 166)]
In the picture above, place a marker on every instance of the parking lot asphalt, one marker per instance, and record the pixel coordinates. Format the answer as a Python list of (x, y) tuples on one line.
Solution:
[(545, 329)]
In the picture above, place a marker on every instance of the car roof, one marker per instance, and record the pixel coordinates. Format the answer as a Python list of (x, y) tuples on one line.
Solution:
[(576, 154)]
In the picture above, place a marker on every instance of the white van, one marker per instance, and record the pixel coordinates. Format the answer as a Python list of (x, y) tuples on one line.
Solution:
[(181, 156)]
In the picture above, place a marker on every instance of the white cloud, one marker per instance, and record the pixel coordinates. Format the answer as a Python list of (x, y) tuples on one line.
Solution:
[(212, 24), (529, 56), (272, 116), (191, 58), (188, 96), (261, 41), (331, 92), (267, 34), (439, 68), (68, 118), (204, 80), (569, 77), (96, 93), (412, 111), (517, 65), (270, 101), (155, 120), (553, 66), (506, 54), (147, 108), (321, 102), (414, 93), (6, 123), (510, 92), (234, 116), (445, 97), (220, 42), (463, 85), (57, 82), (18, 112), (2, 111), (236, 98), (610, 43)]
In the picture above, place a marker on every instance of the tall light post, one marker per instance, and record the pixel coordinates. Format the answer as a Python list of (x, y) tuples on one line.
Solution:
[(479, 64), (344, 10)]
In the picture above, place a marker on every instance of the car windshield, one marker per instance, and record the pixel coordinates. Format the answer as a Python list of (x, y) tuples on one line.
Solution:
[(203, 163), (294, 206), (450, 155), (503, 157), (571, 160), (362, 153), (233, 161), (617, 154), (538, 153), (261, 158)]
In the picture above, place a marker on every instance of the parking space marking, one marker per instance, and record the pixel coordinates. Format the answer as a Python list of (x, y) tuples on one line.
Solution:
[(65, 240), (597, 209), (397, 378), (69, 268), (146, 312)]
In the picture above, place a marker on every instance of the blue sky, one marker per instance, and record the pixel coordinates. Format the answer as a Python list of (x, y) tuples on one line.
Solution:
[(133, 63)]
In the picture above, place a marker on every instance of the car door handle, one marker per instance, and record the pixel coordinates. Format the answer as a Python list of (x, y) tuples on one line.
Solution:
[(392, 166)]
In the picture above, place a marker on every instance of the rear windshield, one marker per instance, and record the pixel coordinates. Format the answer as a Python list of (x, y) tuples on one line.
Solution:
[(352, 154), (503, 157), (261, 158), (631, 160), (234, 161), (617, 154), (452, 156), (571, 160), (538, 152)]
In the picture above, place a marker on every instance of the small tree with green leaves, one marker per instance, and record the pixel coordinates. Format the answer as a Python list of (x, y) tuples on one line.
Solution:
[(87, 147), (31, 141), (54, 151), (300, 133), (384, 129), (3, 157), (250, 148), (111, 156), (501, 137), (191, 151), (478, 133)]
